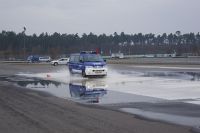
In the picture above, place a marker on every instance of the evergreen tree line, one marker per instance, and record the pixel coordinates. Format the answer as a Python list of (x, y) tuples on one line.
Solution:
[(21, 45)]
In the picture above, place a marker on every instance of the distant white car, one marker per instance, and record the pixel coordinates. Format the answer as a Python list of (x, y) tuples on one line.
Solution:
[(61, 61), (117, 55), (45, 59)]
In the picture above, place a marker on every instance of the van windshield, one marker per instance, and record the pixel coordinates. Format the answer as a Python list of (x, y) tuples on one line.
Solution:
[(92, 58)]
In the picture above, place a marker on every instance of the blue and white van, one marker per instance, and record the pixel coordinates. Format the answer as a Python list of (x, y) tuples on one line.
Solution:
[(88, 64)]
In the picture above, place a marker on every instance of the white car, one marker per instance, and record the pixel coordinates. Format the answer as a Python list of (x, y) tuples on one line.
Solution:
[(45, 59), (61, 61)]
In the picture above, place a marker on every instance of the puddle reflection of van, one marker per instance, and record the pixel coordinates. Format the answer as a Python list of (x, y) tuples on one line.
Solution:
[(88, 92), (88, 64)]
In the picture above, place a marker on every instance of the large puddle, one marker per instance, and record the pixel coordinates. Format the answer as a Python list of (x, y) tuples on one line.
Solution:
[(117, 87), (78, 89), (125, 89)]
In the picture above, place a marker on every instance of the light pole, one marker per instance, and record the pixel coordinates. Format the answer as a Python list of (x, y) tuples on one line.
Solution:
[(24, 30)]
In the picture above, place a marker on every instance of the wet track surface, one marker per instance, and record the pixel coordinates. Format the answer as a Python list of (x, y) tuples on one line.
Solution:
[(170, 96)]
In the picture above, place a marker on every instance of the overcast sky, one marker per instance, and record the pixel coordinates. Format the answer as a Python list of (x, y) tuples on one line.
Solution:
[(100, 16)]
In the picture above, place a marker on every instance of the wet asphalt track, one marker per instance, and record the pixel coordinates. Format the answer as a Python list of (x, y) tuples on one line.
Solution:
[(169, 94)]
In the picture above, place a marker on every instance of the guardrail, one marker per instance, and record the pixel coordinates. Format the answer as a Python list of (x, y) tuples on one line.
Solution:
[(25, 62), (173, 61)]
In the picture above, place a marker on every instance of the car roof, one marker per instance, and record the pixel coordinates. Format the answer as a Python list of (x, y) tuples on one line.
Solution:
[(88, 52), (44, 57), (75, 54)]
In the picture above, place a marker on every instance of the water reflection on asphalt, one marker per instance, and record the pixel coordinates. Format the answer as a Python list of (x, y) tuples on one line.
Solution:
[(87, 91), (128, 90), (121, 87), (84, 90)]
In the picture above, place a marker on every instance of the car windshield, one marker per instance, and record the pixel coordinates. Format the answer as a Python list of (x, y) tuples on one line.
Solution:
[(92, 58)]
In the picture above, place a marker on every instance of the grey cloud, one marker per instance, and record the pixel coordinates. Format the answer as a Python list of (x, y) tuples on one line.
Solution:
[(100, 16)]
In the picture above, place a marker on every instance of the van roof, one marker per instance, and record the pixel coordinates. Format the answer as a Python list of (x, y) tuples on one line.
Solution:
[(88, 52), (85, 52)]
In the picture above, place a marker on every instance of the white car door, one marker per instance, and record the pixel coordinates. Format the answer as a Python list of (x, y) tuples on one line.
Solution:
[(60, 61), (63, 61)]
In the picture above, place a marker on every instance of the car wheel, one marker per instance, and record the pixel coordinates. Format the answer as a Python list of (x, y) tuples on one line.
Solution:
[(55, 64)]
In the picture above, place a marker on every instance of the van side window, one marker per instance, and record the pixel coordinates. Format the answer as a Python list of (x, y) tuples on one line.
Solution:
[(76, 58), (81, 58), (72, 58)]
